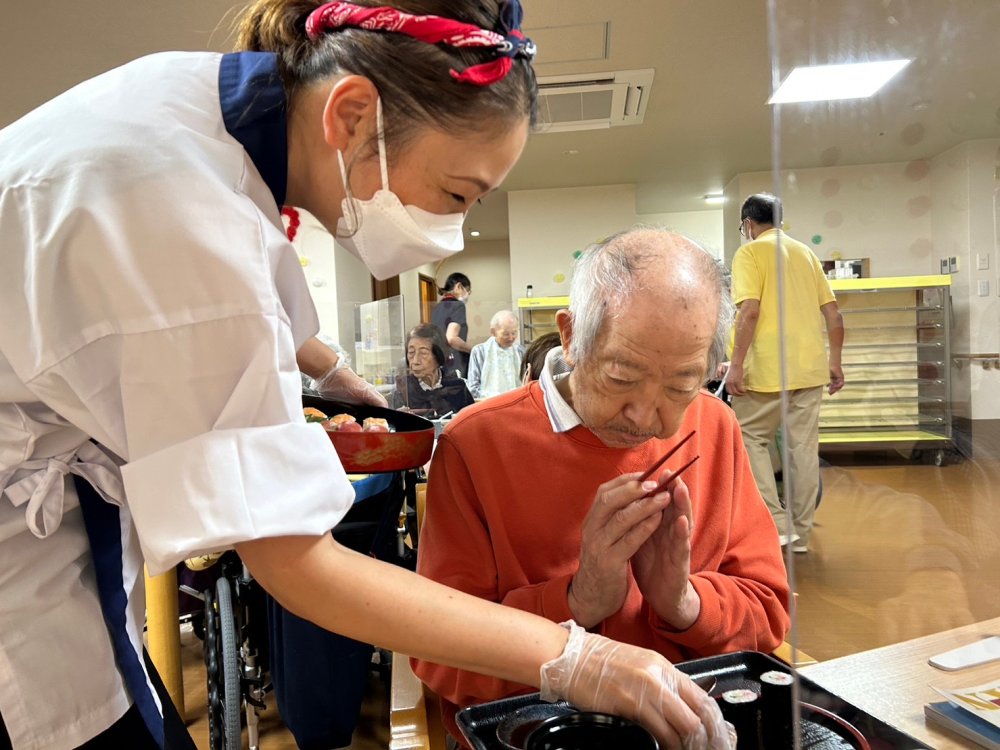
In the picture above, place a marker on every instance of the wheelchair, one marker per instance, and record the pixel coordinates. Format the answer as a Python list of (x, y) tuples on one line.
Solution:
[(253, 647)]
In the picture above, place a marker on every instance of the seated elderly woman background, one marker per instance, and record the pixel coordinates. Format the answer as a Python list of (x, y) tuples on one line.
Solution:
[(534, 500), (429, 386), (494, 365)]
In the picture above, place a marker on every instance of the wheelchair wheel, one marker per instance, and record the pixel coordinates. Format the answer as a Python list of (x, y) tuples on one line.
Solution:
[(222, 650)]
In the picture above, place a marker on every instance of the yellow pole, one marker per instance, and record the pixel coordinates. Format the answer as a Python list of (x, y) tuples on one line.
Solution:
[(163, 631)]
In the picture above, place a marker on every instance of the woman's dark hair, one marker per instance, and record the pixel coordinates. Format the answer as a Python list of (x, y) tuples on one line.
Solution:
[(434, 334), (456, 278), (534, 355), (412, 77), (762, 208)]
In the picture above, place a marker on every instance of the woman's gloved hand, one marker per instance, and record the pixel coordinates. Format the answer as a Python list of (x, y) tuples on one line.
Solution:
[(341, 384), (595, 673)]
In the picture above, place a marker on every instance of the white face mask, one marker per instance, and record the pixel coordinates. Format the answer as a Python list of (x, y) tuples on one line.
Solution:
[(391, 238)]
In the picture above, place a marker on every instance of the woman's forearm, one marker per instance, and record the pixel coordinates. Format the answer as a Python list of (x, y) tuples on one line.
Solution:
[(459, 344), (315, 358), (374, 602)]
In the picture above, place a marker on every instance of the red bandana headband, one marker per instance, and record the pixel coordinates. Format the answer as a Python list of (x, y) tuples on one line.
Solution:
[(434, 30)]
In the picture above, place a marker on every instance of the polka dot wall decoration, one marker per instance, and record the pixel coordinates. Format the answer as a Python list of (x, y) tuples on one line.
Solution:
[(817, 239), (559, 278), (830, 156), (577, 254), (919, 206), (917, 170), (912, 134), (922, 248)]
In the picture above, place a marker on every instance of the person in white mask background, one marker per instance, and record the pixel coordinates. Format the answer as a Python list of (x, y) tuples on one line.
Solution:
[(153, 308), (450, 315)]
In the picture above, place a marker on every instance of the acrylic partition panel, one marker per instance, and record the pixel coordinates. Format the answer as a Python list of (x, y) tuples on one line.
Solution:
[(895, 191), (439, 380), (380, 342)]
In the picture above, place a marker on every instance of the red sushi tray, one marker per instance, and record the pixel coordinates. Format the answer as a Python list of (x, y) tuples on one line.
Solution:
[(408, 446)]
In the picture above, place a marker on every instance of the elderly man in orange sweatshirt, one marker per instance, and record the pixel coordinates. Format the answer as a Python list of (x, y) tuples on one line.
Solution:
[(534, 497)]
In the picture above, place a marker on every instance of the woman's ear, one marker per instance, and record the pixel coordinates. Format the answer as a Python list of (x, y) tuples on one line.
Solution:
[(349, 116)]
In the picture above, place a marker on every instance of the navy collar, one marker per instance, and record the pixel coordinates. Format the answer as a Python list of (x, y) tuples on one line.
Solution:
[(255, 112)]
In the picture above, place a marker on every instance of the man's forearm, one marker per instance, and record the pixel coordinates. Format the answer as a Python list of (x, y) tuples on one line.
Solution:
[(746, 327), (836, 338)]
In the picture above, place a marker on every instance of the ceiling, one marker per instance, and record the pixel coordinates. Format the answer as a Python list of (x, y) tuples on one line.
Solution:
[(707, 119)]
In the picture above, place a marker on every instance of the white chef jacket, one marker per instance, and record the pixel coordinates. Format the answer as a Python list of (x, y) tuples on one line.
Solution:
[(150, 301)]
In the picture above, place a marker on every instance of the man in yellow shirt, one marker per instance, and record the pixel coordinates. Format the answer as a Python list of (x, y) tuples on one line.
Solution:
[(755, 373)]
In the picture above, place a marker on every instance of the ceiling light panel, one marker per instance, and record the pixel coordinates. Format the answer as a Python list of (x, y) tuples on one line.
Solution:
[(819, 83)]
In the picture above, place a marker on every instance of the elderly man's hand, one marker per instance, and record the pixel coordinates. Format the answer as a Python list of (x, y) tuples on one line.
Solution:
[(662, 566), (618, 524)]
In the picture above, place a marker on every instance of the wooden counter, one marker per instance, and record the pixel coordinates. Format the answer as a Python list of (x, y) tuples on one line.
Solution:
[(893, 683)]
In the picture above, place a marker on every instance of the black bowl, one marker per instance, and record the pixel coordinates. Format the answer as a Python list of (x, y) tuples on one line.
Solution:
[(514, 729), (590, 731)]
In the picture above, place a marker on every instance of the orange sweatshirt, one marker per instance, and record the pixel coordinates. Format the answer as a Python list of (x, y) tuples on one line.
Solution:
[(505, 504)]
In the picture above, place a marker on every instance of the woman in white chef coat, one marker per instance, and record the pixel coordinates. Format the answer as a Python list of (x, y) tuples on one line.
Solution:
[(151, 309)]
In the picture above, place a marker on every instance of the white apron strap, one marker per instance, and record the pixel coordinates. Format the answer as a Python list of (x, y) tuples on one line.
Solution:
[(43, 490)]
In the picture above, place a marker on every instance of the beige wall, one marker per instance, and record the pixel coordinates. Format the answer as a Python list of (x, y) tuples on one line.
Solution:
[(905, 217), (964, 220), (876, 211), (548, 226), (704, 227), (487, 264), (354, 286)]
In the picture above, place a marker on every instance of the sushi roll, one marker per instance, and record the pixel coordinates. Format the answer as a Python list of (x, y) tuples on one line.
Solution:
[(340, 422), (776, 709), (742, 709)]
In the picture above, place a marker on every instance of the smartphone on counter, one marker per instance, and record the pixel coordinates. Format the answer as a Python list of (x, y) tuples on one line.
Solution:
[(973, 655)]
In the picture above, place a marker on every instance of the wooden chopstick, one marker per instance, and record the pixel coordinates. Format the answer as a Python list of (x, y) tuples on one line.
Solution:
[(674, 475), (658, 464)]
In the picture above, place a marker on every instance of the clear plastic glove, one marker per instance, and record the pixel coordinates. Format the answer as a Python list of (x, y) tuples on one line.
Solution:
[(341, 384), (595, 673)]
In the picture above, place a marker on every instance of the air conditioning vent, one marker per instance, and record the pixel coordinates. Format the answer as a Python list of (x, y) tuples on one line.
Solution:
[(594, 101)]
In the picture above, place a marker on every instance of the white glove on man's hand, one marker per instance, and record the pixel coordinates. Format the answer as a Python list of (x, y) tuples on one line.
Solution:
[(595, 673), (341, 384)]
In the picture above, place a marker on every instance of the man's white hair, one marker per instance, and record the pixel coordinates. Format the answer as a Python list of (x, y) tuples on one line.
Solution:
[(605, 277), (501, 316)]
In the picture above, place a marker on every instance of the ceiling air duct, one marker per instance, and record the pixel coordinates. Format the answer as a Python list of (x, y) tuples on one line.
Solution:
[(593, 101)]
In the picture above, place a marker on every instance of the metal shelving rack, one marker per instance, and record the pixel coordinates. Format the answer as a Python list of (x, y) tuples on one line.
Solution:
[(538, 315), (897, 370)]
